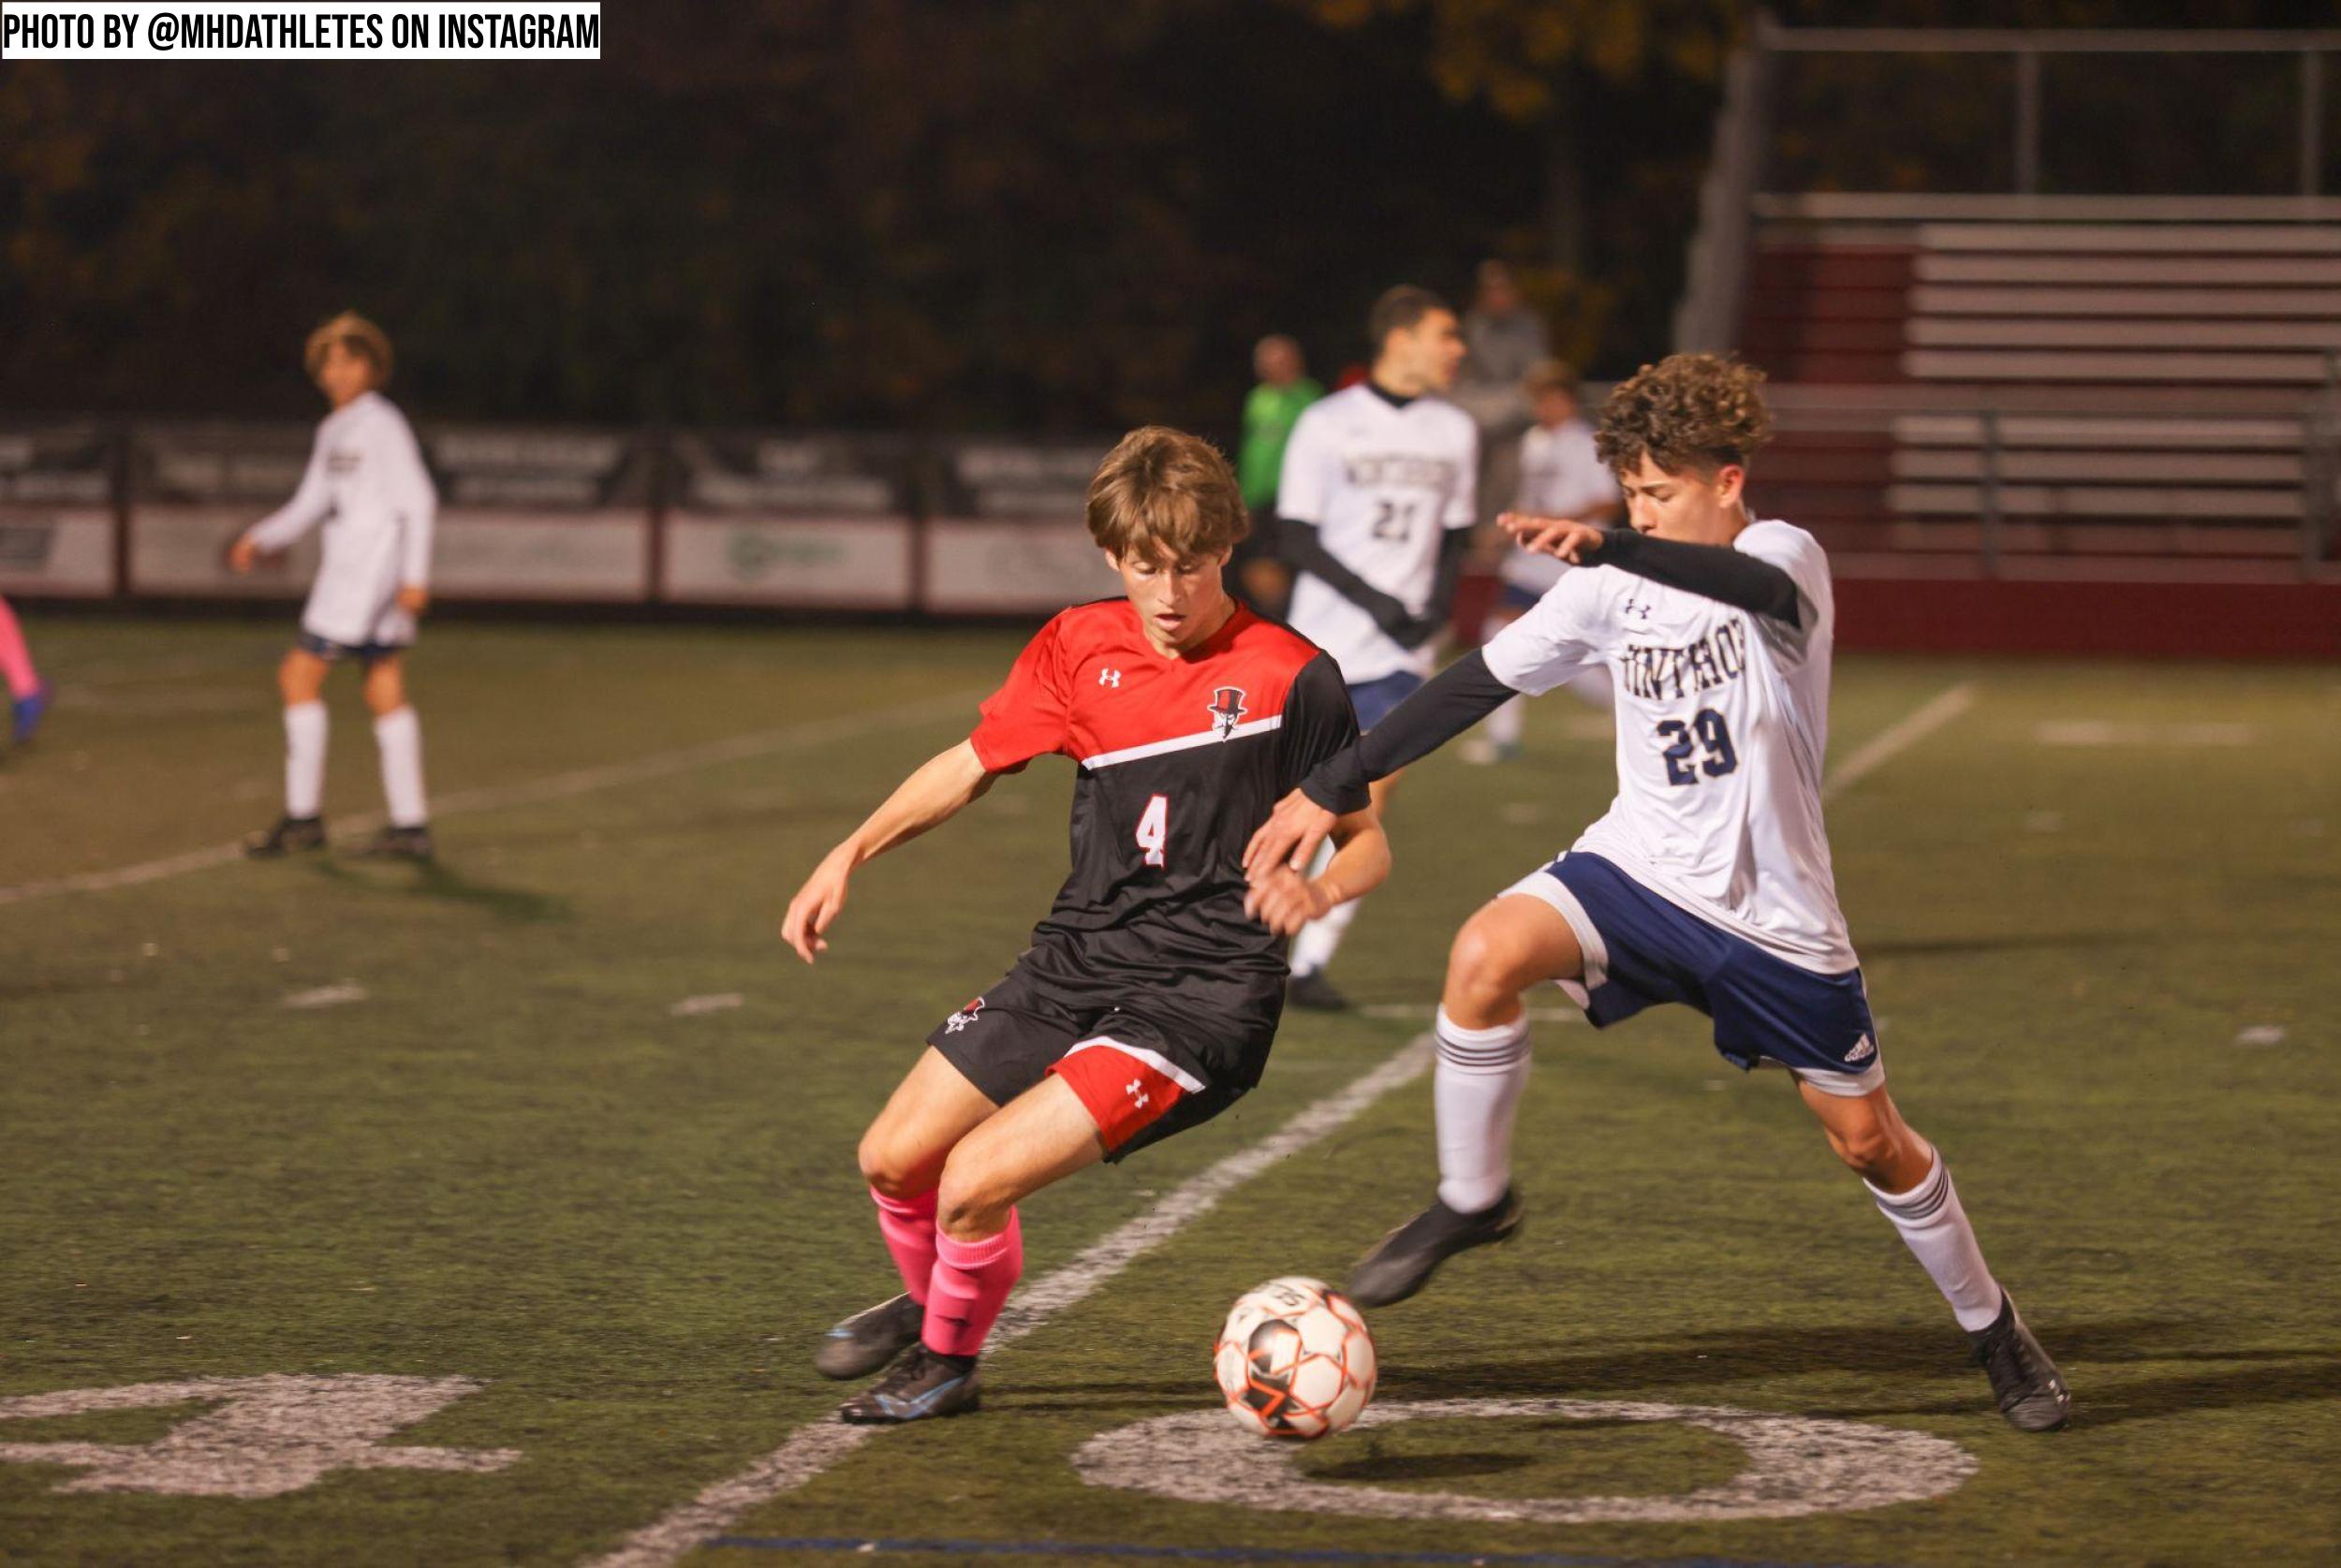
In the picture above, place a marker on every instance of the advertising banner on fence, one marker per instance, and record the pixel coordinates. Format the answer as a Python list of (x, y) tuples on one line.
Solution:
[(1012, 534), (56, 511), (523, 514), (536, 514), (807, 522)]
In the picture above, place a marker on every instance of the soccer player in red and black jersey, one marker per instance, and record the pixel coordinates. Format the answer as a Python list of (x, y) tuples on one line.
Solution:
[(1149, 997)]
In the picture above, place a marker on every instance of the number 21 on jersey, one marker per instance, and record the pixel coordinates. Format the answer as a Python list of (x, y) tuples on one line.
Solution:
[(1153, 827)]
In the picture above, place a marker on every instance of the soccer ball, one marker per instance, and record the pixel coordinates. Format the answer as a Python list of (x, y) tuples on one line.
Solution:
[(1295, 1359)]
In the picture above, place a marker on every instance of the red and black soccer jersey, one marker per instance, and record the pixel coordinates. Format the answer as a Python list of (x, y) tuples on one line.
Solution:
[(1182, 758)]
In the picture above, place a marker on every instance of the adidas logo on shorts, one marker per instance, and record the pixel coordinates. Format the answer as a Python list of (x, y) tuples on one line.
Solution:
[(1862, 1050)]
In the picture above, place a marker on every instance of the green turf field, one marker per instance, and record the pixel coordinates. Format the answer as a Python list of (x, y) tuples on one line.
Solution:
[(560, 1118)]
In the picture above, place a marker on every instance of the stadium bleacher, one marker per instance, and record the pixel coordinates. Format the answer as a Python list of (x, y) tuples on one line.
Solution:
[(2080, 388)]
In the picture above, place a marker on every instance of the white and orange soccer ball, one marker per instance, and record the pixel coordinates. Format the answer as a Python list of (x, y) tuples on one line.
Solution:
[(1295, 1359)]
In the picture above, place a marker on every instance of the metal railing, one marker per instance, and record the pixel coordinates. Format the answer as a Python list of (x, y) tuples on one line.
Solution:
[(2028, 48)]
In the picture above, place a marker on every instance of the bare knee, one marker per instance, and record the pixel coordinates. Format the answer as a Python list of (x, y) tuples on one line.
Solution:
[(976, 1194), (892, 1165), (1487, 969), (299, 679), (386, 688), (1868, 1149)]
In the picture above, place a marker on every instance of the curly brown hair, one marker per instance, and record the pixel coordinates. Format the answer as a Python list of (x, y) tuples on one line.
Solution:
[(1695, 411)]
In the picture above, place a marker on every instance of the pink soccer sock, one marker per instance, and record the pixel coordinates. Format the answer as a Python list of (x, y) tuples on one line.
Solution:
[(16, 660), (971, 1282), (908, 1226)]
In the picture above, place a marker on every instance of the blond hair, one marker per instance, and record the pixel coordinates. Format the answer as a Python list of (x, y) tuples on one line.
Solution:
[(1695, 411), (357, 335), (1164, 495)]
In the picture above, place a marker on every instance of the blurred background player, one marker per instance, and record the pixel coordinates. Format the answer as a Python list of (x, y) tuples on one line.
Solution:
[(1270, 413), (28, 698), (1374, 509), (1708, 882), (367, 484), (1150, 996), (1561, 476)]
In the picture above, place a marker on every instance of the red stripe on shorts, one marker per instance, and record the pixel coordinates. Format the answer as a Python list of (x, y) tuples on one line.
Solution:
[(1123, 1094)]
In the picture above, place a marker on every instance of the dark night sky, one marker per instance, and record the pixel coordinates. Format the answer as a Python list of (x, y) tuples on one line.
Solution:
[(880, 214)]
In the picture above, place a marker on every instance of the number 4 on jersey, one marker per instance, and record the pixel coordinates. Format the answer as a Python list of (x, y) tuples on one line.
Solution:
[(1153, 827)]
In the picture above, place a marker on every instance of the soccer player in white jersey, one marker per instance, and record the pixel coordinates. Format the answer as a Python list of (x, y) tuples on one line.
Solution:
[(367, 484), (1375, 510), (1708, 882), (1561, 476)]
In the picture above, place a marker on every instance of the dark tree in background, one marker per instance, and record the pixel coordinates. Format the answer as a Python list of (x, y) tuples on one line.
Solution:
[(1010, 215)]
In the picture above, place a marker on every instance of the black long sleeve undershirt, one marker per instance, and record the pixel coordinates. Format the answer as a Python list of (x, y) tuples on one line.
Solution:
[(1301, 548), (1456, 699), (1454, 547), (1716, 572)]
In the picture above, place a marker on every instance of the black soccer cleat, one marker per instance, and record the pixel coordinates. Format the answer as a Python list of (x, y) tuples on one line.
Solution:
[(398, 844), (870, 1339), (926, 1386), (291, 834), (1405, 1260), (2031, 1393), (1316, 993)]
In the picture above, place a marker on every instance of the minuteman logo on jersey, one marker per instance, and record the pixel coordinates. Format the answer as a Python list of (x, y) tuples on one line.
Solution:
[(1227, 710)]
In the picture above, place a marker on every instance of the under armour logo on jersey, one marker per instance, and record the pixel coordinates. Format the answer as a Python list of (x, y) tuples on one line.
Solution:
[(1135, 1089), (965, 1017), (1638, 609), (1227, 710), (1110, 678), (1862, 1050)]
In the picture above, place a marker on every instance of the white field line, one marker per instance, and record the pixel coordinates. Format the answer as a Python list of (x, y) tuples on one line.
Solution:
[(1898, 737), (814, 1448), (528, 792)]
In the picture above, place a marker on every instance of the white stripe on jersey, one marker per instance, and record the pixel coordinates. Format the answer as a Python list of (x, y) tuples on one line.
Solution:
[(1722, 725), (1184, 743), (1381, 484)]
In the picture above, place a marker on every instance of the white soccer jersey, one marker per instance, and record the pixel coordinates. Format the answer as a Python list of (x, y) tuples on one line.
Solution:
[(1722, 725), (366, 482), (1381, 484), (1561, 476)]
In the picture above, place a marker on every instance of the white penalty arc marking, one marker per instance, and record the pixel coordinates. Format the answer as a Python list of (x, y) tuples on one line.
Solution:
[(529, 792), (1797, 1465), (815, 1448), (1898, 737)]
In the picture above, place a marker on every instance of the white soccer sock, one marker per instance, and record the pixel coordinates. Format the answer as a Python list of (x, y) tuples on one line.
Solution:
[(1506, 723), (304, 758), (1475, 1095), (398, 735), (1931, 1222), (1314, 946)]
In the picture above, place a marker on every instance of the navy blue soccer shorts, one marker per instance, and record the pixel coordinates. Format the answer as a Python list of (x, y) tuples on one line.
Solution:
[(335, 653), (1642, 949), (1375, 698)]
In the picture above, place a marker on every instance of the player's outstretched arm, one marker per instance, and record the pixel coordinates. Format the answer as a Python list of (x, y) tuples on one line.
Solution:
[(938, 791), (1456, 699), (281, 528), (1716, 572), (1284, 901)]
